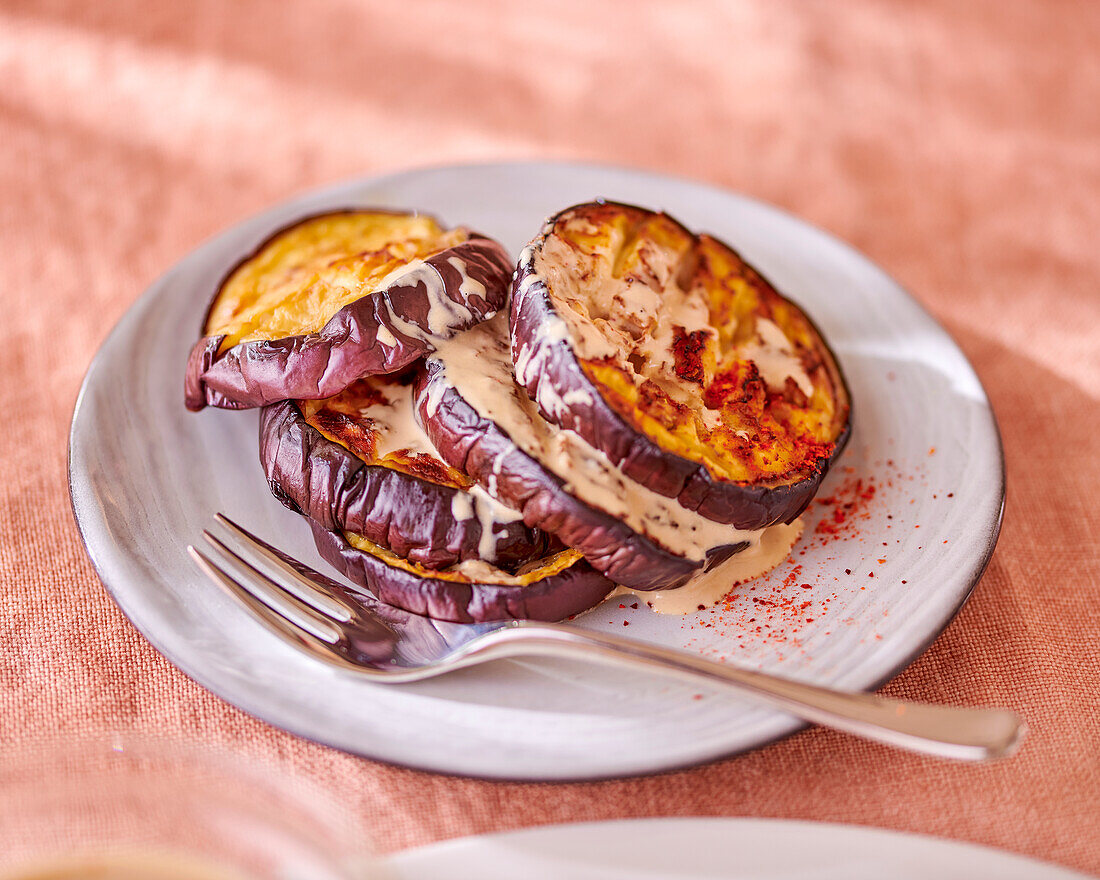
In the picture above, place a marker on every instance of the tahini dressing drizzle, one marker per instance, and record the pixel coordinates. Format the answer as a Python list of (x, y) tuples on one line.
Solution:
[(396, 430), (478, 365)]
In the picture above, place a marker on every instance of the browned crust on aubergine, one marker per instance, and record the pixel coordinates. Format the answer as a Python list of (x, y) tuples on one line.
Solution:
[(410, 516), (317, 365), (743, 505), (481, 448), (555, 597)]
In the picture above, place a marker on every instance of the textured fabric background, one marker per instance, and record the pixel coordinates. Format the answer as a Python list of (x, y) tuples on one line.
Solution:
[(958, 145)]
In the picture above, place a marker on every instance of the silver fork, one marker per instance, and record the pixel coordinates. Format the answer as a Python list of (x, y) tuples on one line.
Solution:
[(387, 645)]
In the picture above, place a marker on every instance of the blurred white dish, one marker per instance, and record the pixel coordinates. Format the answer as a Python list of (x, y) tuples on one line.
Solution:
[(722, 849)]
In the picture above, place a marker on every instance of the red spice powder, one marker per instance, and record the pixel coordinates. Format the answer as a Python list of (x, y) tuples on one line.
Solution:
[(847, 507), (773, 611)]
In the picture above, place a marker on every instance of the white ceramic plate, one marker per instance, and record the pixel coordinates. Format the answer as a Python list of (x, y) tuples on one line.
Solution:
[(146, 476), (723, 849)]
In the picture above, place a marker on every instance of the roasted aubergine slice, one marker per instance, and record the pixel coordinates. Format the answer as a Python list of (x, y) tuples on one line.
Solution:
[(673, 356), (336, 297), (487, 427), (358, 462), (550, 588)]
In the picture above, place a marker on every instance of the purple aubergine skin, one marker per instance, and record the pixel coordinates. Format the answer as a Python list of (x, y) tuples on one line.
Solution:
[(313, 366), (409, 516), (556, 597), (480, 448), (742, 505)]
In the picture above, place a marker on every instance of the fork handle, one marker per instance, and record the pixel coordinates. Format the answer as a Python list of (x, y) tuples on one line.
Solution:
[(945, 731)]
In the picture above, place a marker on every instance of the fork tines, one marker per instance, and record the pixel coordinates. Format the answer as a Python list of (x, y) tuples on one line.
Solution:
[(294, 606)]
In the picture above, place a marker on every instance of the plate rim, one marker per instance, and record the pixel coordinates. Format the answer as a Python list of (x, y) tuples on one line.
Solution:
[(447, 847), (977, 570)]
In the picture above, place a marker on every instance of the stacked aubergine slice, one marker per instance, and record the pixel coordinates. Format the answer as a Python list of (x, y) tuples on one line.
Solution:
[(472, 440)]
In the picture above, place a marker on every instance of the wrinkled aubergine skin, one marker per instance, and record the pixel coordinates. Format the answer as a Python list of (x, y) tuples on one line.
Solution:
[(411, 517), (556, 597), (742, 505), (479, 447), (318, 365)]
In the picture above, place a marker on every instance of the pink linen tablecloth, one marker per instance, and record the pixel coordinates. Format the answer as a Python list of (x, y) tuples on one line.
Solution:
[(958, 145)]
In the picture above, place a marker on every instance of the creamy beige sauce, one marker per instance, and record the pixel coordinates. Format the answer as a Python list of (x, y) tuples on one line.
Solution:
[(479, 571), (531, 360), (709, 587), (576, 396), (384, 336), (476, 503), (775, 359), (606, 316), (532, 356), (595, 339), (478, 364), (396, 430), (395, 427), (468, 287), (445, 315)]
